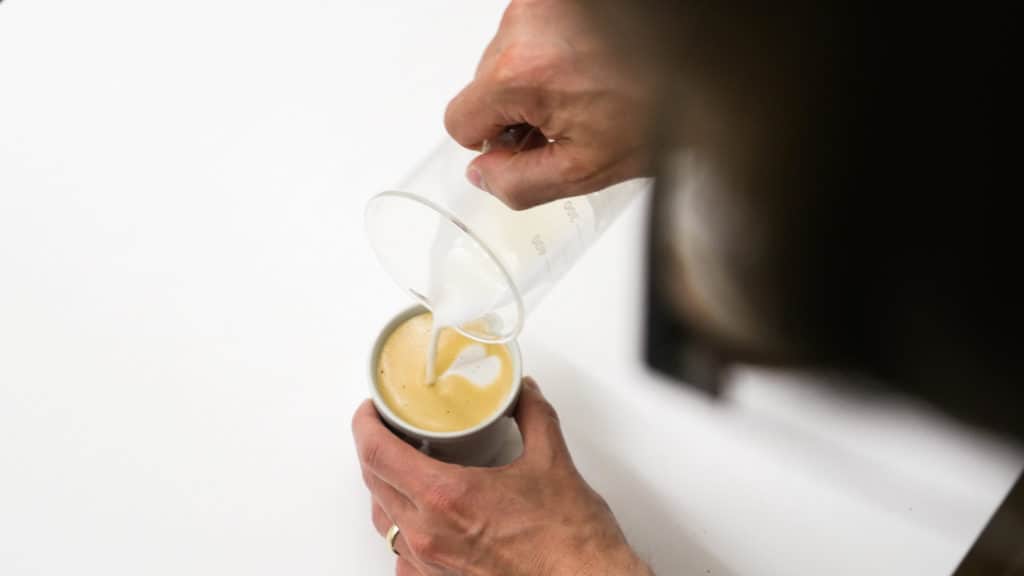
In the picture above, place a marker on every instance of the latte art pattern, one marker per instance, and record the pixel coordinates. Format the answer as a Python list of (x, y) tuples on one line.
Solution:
[(474, 364)]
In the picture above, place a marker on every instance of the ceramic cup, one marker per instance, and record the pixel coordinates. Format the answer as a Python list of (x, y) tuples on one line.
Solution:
[(480, 445)]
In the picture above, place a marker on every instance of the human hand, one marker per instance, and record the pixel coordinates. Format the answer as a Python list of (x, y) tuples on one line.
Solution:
[(548, 69), (535, 516)]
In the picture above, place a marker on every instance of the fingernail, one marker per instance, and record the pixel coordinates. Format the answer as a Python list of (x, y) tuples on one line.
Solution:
[(530, 383), (477, 179)]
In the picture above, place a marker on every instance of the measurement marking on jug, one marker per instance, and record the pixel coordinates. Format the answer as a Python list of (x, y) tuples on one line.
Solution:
[(570, 211), (538, 245)]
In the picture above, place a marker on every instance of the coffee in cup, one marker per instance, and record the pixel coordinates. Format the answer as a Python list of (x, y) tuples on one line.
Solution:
[(473, 378), (459, 417)]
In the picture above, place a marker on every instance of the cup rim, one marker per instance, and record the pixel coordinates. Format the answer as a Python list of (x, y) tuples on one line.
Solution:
[(451, 217), (388, 415)]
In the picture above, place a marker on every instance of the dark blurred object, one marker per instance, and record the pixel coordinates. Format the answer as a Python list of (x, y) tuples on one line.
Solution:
[(671, 346), (825, 172), (999, 551)]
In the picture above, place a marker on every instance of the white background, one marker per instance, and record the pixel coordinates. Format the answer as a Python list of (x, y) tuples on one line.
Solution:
[(187, 300)]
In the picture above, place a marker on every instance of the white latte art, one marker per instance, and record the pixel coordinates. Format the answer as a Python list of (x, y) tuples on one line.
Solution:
[(475, 365)]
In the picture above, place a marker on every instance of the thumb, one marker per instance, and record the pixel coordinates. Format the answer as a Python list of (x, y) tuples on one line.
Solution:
[(539, 426), (526, 178)]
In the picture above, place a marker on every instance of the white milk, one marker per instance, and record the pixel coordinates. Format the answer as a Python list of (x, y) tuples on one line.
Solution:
[(465, 287), (474, 364)]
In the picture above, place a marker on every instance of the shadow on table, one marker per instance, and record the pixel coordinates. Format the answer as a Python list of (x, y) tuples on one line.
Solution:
[(662, 540)]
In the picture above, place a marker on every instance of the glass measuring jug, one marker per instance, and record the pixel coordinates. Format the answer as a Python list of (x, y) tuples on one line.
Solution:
[(478, 265)]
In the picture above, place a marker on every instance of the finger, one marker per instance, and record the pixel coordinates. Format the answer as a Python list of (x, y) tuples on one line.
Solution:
[(405, 568), (382, 523), (473, 116), (394, 502), (388, 457), (538, 423), (527, 178)]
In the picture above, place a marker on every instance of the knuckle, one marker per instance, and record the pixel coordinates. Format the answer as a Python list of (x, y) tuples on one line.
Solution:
[(442, 497), (439, 499), (423, 545), (451, 118), (524, 65), (455, 119)]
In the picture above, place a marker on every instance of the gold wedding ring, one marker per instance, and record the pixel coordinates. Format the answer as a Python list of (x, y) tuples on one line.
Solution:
[(390, 538)]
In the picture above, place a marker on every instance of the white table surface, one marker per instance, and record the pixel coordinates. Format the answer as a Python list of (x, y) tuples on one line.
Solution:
[(187, 300)]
